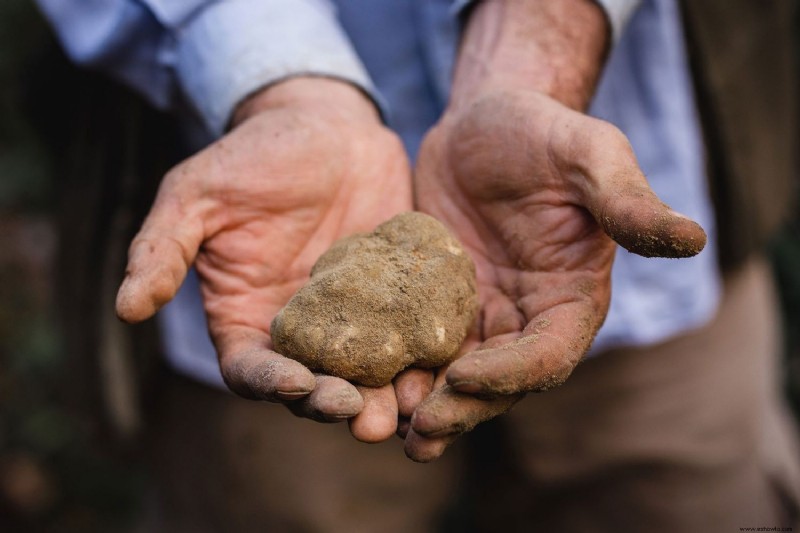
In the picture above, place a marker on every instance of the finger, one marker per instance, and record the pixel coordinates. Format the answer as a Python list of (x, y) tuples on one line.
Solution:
[(332, 400), (411, 387), (447, 412), (158, 259), (550, 347), (377, 421), (622, 202), (252, 370), (423, 449)]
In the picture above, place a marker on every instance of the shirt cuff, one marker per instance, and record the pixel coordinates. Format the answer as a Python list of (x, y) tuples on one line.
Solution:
[(231, 49), (619, 12)]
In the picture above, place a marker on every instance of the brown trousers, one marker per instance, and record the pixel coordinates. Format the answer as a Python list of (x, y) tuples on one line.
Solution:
[(688, 436)]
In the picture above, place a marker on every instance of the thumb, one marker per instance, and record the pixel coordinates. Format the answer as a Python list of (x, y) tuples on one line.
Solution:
[(622, 202), (158, 259)]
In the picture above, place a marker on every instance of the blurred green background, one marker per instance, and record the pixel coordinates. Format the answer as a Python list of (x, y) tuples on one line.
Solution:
[(59, 470)]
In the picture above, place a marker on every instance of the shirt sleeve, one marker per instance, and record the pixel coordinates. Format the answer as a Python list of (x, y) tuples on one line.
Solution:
[(619, 12), (213, 52)]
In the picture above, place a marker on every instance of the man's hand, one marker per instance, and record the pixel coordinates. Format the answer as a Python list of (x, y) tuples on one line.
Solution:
[(307, 162), (534, 189)]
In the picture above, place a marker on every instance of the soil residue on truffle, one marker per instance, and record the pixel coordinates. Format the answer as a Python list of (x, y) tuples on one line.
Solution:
[(403, 295)]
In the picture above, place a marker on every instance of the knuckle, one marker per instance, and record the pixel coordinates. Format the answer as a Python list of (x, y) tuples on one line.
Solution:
[(232, 370), (607, 138), (246, 379)]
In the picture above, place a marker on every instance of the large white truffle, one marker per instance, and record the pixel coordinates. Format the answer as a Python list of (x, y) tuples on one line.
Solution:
[(403, 295)]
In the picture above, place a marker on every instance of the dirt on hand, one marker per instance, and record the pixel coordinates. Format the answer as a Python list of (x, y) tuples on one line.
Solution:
[(377, 303)]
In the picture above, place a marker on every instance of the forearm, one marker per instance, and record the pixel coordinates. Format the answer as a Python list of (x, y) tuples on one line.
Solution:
[(557, 48)]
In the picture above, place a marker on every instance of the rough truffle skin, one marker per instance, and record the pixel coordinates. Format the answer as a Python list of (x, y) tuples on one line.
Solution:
[(403, 295)]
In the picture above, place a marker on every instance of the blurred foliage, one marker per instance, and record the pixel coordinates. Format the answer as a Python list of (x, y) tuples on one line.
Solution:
[(54, 473)]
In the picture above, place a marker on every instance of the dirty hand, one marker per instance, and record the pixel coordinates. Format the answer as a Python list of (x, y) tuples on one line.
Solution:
[(536, 191), (307, 162)]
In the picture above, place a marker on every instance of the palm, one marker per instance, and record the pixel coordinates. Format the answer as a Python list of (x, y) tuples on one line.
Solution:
[(541, 257), (534, 190), (280, 203), (253, 212)]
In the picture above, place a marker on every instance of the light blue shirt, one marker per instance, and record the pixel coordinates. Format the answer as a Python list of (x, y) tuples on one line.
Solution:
[(210, 55)]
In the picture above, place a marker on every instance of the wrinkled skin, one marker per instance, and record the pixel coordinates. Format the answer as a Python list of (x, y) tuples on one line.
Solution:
[(307, 164), (533, 190)]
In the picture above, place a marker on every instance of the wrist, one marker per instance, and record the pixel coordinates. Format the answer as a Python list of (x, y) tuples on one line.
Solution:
[(556, 48), (315, 94)]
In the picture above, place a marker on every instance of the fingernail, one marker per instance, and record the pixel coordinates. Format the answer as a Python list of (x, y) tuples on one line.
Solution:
[(416, 423), (289, 396), (340, 416), (468, 387)]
